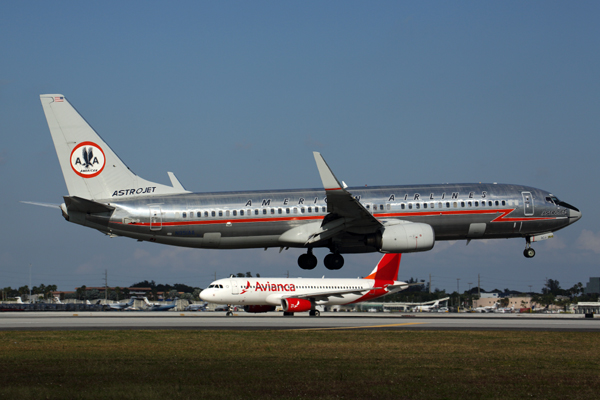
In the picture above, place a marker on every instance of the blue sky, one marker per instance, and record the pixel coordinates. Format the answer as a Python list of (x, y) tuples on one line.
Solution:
[(237, 95)]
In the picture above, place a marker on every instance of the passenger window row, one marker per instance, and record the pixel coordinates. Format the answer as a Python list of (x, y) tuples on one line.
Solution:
[(322, 209), (378, 207), (256, 212), (453, 204)]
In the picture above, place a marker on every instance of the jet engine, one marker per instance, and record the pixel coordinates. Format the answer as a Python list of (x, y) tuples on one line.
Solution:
[(258, 309), (403, 238), (296, 305)]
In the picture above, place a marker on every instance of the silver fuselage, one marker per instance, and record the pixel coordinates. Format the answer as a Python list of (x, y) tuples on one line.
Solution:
[(257, 219)]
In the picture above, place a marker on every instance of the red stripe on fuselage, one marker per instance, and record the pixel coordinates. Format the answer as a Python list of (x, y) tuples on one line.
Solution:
[(501, 218)]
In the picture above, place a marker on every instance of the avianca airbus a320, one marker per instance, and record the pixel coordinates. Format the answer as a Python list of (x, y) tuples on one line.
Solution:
[(105, 195), (304, 294)]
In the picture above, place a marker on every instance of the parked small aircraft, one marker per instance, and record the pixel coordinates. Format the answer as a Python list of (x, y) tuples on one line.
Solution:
[(121, 306), (196, 307), (427, 307), (161, 306)]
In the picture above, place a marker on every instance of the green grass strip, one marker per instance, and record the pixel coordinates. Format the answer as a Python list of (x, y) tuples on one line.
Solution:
[(309, 364)]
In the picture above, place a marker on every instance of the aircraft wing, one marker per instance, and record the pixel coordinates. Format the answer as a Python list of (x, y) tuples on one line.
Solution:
[(345, 212), (332, 293), (404, 285)]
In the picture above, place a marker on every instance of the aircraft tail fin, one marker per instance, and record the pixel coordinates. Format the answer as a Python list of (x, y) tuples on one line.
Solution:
[(387, 268), (90, 167)]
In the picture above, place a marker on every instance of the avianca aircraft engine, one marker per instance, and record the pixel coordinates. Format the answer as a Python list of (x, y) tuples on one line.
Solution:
[(305, 294), (296, 305)]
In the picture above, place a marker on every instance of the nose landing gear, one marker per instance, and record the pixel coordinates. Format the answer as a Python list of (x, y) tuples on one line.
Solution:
[(528, 252)]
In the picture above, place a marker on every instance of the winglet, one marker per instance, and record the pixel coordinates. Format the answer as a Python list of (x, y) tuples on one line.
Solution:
[(330, 182), (387, 268)]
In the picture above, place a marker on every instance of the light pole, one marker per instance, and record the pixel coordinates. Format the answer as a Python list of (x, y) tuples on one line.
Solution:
[(458, 292), (470, 296), (29, 283)]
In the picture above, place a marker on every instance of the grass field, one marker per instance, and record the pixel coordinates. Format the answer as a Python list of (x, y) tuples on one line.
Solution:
[(332, 364)]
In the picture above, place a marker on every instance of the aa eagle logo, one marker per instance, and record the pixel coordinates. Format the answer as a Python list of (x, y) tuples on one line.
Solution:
[(87, 159)]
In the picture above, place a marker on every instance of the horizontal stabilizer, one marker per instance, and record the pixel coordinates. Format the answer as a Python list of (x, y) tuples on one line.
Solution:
[(79, 204)]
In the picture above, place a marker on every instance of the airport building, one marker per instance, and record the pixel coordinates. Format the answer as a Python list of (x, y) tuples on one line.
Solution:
[(593, 286)]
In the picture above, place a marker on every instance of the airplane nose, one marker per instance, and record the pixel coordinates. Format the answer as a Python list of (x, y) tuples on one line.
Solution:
[(204, 295), (574, 216)]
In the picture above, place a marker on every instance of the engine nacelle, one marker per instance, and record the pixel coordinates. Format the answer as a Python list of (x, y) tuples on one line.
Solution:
[(258, 309), (403, 238), (296, 305)]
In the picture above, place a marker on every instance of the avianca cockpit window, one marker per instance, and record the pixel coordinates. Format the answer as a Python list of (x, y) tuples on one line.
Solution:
[(215, 286)]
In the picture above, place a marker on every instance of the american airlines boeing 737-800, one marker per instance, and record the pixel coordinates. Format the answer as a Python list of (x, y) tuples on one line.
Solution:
[(304, 294), (105, 195)]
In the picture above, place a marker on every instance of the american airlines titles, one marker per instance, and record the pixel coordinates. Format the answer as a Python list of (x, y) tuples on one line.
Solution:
[(416, 197)]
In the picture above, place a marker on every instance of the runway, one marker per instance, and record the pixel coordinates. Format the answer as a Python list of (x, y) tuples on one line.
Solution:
[(120, 320)]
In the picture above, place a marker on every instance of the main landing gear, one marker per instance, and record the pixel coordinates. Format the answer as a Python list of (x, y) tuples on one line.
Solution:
[(528, 252), (332, 261), (312, 313), (308, 260)]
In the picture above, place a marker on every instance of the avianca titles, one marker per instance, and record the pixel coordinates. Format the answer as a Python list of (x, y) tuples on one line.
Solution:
[(106, 195), (300, 294)]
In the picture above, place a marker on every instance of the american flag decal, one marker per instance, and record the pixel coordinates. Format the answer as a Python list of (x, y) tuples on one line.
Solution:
[(58, 99)]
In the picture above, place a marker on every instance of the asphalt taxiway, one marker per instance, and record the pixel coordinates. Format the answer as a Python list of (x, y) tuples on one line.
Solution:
[(118, 320)]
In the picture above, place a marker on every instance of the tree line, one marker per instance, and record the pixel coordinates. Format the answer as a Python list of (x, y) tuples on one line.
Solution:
[(551, 294)]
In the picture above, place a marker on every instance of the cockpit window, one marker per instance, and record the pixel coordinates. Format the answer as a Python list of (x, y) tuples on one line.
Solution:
[(554, 200), (215, 286)]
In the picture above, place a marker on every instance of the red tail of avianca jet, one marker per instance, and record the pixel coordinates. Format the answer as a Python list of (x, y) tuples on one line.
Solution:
[(304, 294)]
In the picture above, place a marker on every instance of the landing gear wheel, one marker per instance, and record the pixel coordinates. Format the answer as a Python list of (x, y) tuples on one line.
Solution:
[(314, 313), (307, 261), (334, 261), (529, 252), (288, 314)]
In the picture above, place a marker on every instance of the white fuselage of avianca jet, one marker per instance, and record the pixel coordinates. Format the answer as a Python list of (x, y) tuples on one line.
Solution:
[(105, 195), (304, 294)]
